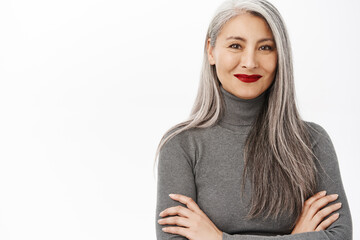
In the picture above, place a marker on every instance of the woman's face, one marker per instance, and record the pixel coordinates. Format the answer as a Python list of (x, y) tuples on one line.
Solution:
[(245, 45)]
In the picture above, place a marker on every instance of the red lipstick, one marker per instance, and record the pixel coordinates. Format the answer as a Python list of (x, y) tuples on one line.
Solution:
[(248, 78)]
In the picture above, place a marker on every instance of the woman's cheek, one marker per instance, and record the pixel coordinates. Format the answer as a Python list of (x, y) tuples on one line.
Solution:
[(270, 63), (230, 61)]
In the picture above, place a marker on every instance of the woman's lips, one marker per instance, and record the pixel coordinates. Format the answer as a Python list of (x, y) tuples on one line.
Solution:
[(248, 78)]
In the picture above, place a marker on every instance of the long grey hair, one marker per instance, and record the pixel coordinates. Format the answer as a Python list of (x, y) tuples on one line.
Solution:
[(281, 164)]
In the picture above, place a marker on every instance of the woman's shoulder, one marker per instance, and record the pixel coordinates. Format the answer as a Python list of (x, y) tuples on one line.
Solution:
[(317, 133), (315, 127), (189, 139), (182, 145), (190, 134), (180, 136)]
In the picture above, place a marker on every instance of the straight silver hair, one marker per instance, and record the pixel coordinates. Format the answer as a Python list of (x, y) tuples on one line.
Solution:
[(281, 164)]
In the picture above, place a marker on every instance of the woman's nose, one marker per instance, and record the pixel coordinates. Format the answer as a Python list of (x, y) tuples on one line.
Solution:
[(248, 60)]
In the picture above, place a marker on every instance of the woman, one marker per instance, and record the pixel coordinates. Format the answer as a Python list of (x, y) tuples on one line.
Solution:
[(245, 164)]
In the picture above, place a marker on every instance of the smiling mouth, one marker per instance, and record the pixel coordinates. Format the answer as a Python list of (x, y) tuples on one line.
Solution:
[(247, 78)]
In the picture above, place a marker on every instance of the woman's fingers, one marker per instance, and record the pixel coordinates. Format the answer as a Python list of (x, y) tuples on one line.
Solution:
[(323, 213), (180, 221), (320, 203), (312, 199), (315, 213), (177, 210), (194, 225), (188, 201), (326, 223)]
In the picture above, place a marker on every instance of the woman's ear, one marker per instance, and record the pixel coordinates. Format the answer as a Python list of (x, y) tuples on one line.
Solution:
[(210, 52)]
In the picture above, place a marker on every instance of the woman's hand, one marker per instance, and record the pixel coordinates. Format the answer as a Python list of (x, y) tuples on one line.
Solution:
[(193, 222), (313, 213)]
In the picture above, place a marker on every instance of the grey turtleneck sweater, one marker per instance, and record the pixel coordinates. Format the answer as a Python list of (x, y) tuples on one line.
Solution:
[(207, 165)]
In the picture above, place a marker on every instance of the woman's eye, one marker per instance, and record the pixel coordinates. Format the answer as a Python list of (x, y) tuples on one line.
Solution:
[(235, 46), (266, 47)]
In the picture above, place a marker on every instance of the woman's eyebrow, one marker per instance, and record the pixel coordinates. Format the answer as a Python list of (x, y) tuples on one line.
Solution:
[(244, 40)]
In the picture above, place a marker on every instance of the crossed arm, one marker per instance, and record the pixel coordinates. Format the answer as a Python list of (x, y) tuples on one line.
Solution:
[(193, 223), (324, 216)]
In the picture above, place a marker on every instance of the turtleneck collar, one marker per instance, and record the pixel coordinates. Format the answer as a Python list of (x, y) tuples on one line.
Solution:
[(240, 112)]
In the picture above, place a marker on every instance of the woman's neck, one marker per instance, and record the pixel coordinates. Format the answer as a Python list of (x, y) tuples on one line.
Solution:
[(240, 112)]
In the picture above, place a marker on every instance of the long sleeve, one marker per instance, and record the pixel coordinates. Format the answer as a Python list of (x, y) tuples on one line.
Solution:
[(175, 175), (329, 179)]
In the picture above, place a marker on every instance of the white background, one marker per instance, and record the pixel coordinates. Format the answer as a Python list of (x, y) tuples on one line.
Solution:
[(88, 87)]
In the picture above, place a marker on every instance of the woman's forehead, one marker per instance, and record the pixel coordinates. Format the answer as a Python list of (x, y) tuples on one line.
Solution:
[(246, 26)]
